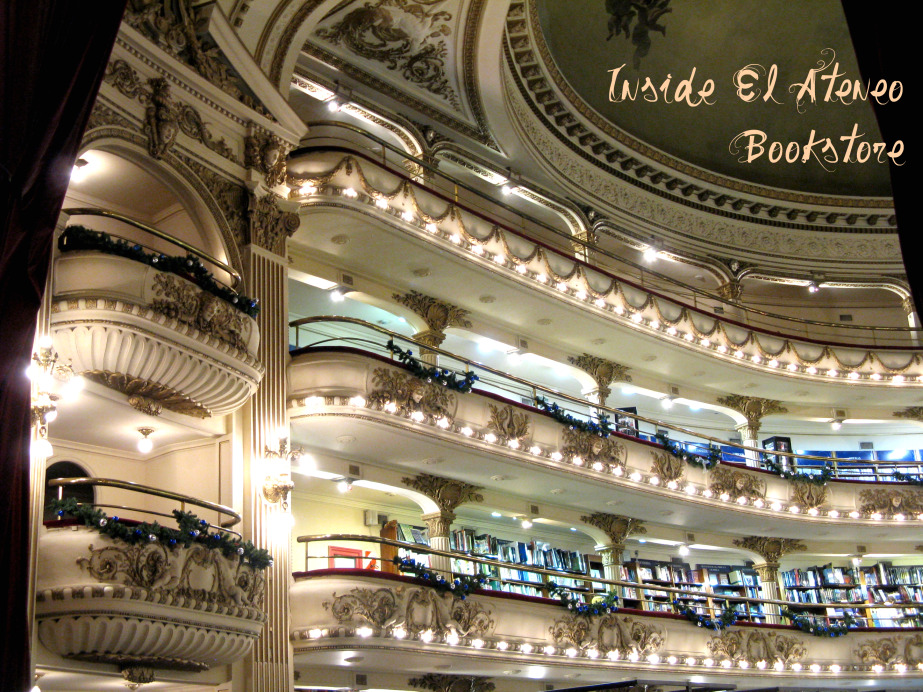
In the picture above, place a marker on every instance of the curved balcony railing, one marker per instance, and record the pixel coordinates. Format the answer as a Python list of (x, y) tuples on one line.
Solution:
[(141, 594), (321, 332), (492, 210)]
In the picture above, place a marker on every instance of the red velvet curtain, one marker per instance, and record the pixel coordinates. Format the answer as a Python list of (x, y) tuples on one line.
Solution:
[(52, 59), (884, 37)]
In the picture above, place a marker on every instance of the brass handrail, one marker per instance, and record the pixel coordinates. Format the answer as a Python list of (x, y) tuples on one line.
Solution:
[(588, 246), (163, 235), (555, 392), (419, 548), (148, 490)]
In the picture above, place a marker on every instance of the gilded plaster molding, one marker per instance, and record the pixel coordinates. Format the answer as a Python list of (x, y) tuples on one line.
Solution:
[(752, 646), (604, 372), (753, 407), (593, 449), (161, 395), (440, 682), (616, 527), (447, 493), (270, 226), (608, 633), (438, 315), (182, 300), (771, 549), (889, 502), (910, 413), (808, 495), (407, 395), (886, 651), (667, 467), (267, 154), (508, 423), (736, 484)]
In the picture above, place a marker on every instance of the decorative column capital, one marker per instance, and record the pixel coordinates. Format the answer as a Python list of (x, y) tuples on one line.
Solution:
[(438, 524), (767, 571), (771, 549), (440, 682), (269, 225), (611, 554), (753, 407), (437, 314), (604, 372), (447, 493), (616, 527), (910, 413)]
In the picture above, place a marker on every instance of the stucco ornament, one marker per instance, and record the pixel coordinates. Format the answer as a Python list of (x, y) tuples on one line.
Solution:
[(406, 394), (593, 448)]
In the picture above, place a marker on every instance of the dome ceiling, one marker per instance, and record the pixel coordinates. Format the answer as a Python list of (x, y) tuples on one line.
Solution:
[(717, 37)]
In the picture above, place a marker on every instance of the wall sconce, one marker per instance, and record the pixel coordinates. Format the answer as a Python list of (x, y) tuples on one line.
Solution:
[(278, 483), (44, 372)]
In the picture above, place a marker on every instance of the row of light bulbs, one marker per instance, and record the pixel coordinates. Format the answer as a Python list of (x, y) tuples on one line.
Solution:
[(634, 316), (452, 638), (636, 476)]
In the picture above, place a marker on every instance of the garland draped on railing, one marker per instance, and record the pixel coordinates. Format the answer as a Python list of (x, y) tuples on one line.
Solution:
[(808, 624), (798, 476), (602, 428), (429, 373), (727, 618), (599, 605), (191, 530), (707, 462), (907, 478), (189, 267), (460, 587)]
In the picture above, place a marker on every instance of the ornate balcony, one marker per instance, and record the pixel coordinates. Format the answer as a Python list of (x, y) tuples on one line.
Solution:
[(141, 595), (164, 339)]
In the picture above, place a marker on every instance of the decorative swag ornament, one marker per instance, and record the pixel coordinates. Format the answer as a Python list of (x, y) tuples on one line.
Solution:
[(189, 267), (445, 377), (190, 530)]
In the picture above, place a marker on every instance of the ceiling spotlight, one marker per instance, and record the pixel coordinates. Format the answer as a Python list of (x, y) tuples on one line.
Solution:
[(145, 444), (667, 402), (813, 287), (526, 523), (506, 190), (337, 295), (344, 485), (333, 105), (79, 172), (650, 254), (683, 550), (836, 423)]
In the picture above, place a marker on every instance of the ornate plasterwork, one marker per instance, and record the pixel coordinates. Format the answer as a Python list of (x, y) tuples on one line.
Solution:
[(438, 315), (608, 633), (408, 37), (194, 572), (616, 527), (604, 372), (771, 549), (730, 290), (718, 233), (753, 407), (266, 153), (145, 405), (408, 394), (186, 302), (808, 495), (269, 225), (736, 484), (890, 502), (580, 128), (508, 423), (162, 395), (753, 645), (887, 651), (910, 413), (667, 467), (447, 493), (164, 117), (413, 608), (171, 24), (440, 682), (593, 448)]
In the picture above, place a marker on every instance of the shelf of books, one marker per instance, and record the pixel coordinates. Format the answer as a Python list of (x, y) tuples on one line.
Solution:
[(714, 580), (880, 590)]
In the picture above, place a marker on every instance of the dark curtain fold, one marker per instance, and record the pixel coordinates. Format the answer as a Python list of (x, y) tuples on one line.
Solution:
[(52, 59), (883, 42)]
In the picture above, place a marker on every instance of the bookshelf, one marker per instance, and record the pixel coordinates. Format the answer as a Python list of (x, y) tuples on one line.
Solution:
[(880, 588)]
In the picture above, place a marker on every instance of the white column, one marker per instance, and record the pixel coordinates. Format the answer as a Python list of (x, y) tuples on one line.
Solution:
[(438, 526), (769, 588), (750, 435)]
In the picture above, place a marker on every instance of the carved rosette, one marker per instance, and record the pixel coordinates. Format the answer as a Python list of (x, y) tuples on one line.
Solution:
[(808, 495), (754, 408), (413, 608), (593, 448), (734, 483), (408, 394), (447, 493), (604, 373), (754, 645), (891, 502), (270, 226), (771, 549), (608, 633), (440, 682), (667, 466), (507, 423)]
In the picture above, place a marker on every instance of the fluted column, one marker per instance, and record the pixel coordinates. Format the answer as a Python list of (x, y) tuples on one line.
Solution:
[(754, 409), (611, 555), (268, 668), (771, 550), (448, 494), (438, 315)]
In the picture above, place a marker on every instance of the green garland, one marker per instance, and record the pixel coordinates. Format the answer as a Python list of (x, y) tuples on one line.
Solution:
[(460, 586), (799, 476), (808, 624), (600, 605), (603, 428), (191, 530), (189, 267), (727, 618), (907, 478), (429, 373), (711, 459)]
